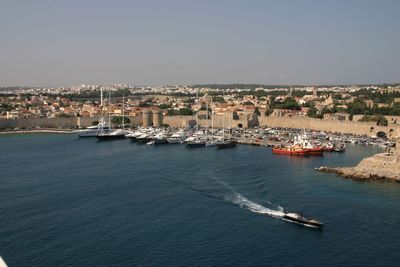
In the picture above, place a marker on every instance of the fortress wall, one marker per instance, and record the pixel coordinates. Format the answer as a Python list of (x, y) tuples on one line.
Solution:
[(83, 122), (178, 121), (39, 122), (218, 121), (349, 127), (72, 122), (136, 120)]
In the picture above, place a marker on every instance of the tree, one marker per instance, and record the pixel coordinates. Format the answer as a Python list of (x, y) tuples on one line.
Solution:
[(313, 113), (119, 120), (186, 111), (288, 103), (379, 119), (164, 106), (257, 111), (144, 105), (172, 112), (357, 107), (248, 103)]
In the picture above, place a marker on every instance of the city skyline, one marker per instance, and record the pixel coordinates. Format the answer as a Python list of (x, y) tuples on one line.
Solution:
[(157, 43)]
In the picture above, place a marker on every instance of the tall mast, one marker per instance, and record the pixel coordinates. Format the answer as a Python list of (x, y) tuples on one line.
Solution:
[(207, 120), (197, 113), (123, 111), (230, 115), (223, 126), (101, 97), (212, 124), (109, 108)]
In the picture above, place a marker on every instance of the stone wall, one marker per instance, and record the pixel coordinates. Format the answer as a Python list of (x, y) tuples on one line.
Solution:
[(349, 127), (242, 121), (67, 123), (178, 121), (218, 121), (39, 123)]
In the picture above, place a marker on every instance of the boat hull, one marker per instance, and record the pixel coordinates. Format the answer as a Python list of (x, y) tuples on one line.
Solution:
[(109, 137), (195, 145), (304, 221), (226, 145), (298, 152), (284, 151), (315, 151), (142, 140)]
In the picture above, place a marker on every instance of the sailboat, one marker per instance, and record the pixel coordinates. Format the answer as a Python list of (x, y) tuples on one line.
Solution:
[(198, 141), (92, 131), (210, 140), (230, 143), (116, 133)]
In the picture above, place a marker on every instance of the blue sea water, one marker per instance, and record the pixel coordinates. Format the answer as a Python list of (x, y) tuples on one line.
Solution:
[(66, 201)]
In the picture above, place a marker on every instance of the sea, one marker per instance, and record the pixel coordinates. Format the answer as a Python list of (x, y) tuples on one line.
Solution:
[(66, 201)]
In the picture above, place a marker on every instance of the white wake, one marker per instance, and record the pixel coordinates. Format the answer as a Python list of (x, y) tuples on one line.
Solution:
[(244, 202)]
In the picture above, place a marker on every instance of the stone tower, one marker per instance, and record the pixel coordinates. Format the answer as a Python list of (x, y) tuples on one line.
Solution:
[(147, 121), (315, 92), (157, 118)]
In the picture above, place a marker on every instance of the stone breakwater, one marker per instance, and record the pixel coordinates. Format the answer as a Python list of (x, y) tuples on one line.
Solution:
[(382, 166)]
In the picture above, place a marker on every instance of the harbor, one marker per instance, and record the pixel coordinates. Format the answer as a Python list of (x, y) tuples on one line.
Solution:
[(268, 137), (94, 191)]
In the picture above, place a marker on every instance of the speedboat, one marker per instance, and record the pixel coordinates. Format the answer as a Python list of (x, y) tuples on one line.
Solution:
[(300, 219)]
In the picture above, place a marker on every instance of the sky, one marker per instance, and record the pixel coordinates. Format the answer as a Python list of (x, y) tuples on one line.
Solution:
[(150, 42)]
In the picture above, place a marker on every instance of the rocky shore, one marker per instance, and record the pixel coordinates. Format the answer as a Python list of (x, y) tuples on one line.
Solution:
[(382, 166)]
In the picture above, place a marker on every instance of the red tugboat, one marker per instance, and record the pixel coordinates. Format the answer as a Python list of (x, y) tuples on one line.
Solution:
[(301, 147), (290, 150)]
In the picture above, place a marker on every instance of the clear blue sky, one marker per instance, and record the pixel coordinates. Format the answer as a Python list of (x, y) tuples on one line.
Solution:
[(161, 42)]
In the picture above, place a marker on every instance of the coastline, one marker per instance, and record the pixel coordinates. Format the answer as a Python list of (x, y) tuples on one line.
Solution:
[(381, 166), (55, 131)]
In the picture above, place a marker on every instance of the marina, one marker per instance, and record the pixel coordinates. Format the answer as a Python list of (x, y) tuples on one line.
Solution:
[(283, 141)]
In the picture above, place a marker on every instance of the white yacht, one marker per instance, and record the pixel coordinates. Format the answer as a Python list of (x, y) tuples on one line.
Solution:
[(177, 137), (92, 131)]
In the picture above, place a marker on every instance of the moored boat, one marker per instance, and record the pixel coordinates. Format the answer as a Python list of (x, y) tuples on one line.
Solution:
[(113, 135), (329, 147), (196, 143), (340, 148), (290, 150), (226, 144), (92, 131), (315, 151)]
